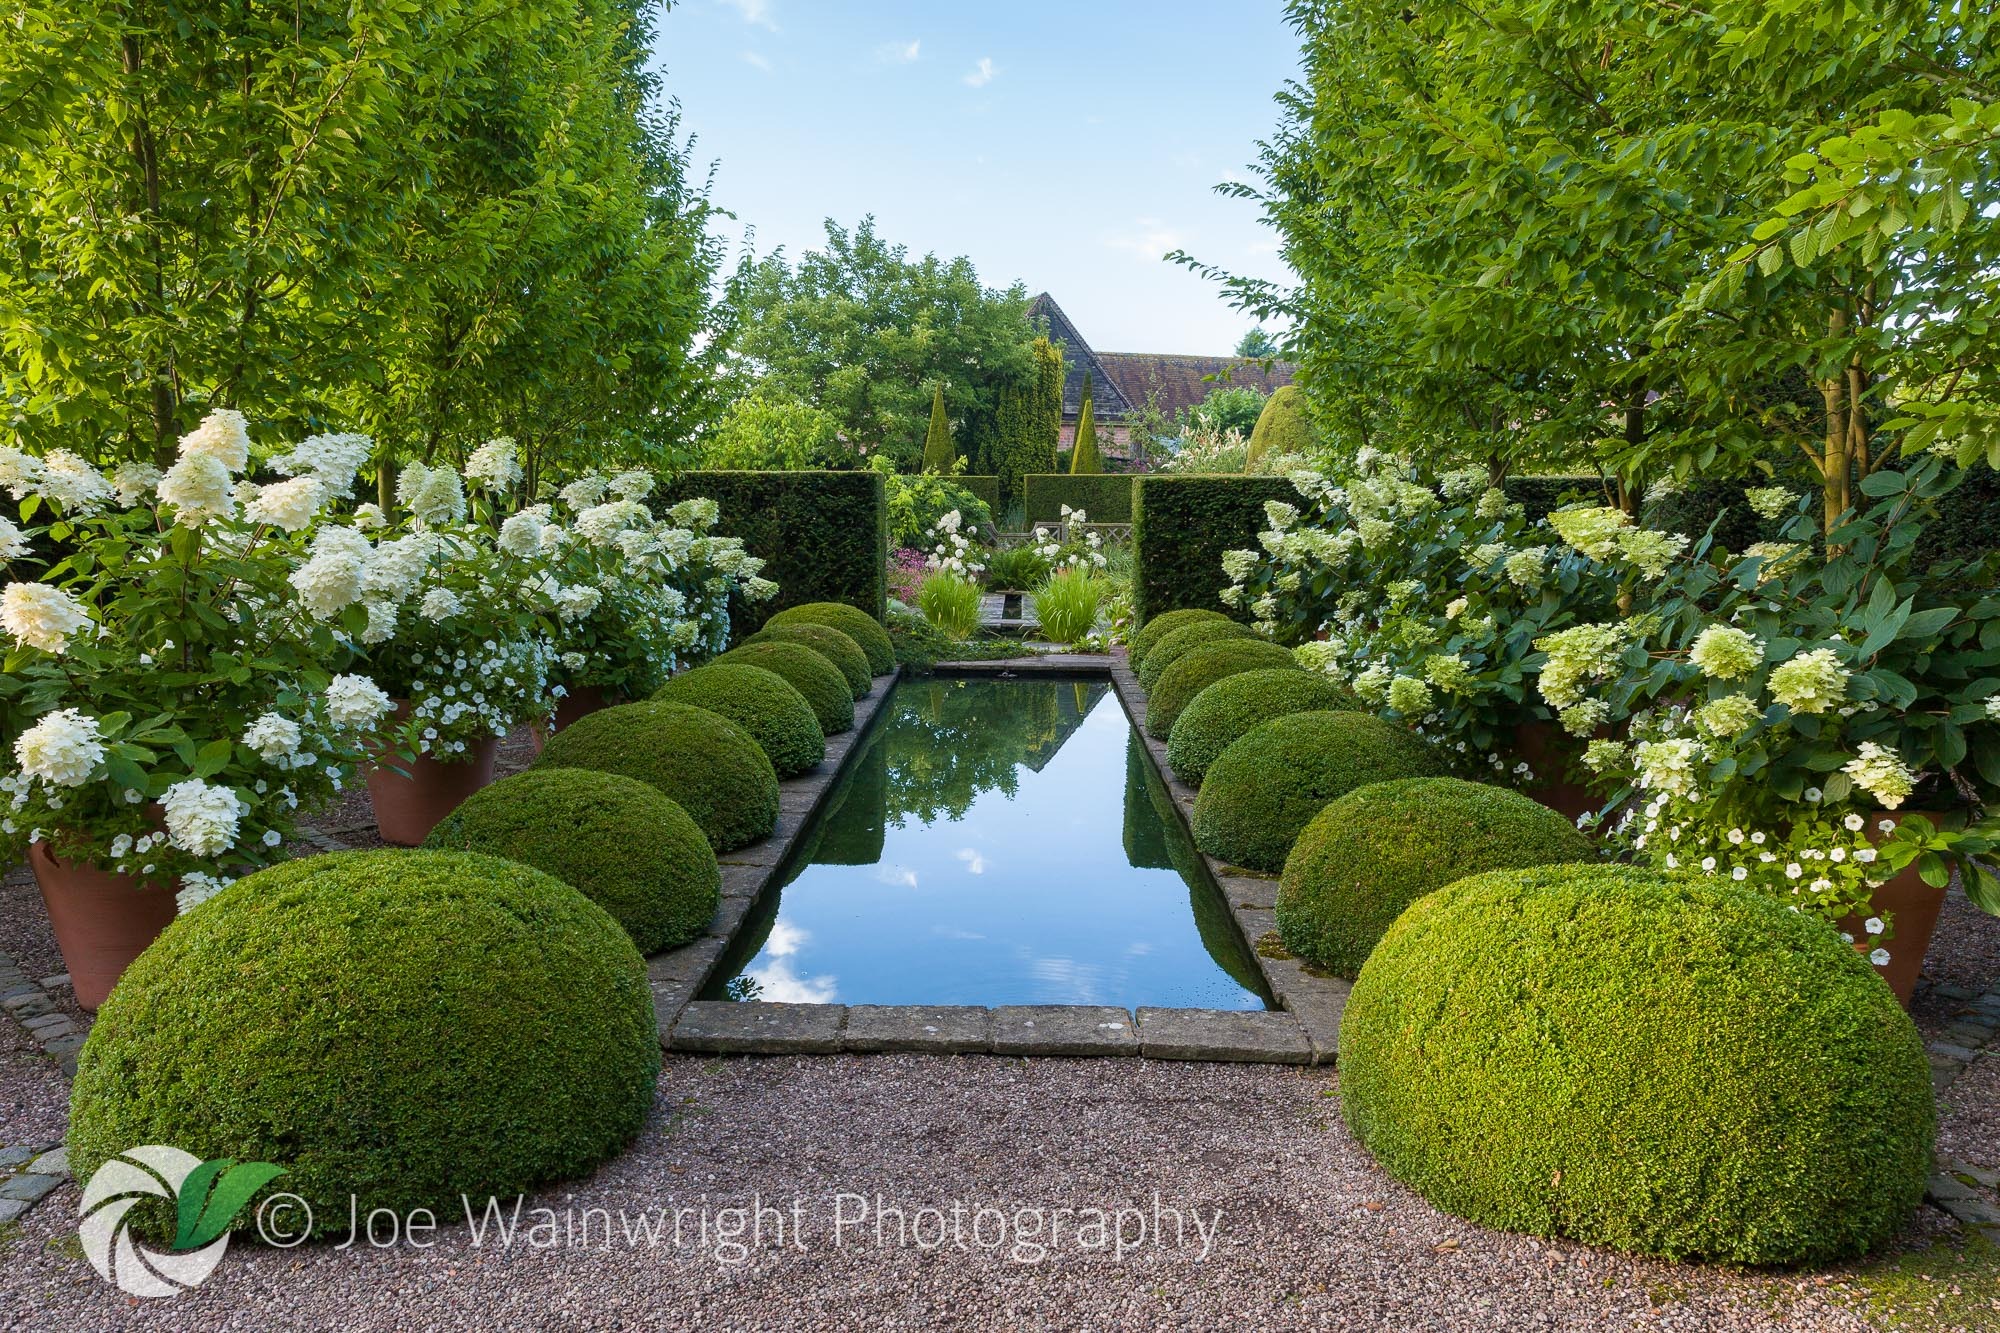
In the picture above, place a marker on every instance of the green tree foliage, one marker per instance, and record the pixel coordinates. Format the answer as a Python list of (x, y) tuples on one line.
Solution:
[(768, 432), (1227, 407), (1282, 427), (1083, 456), (1646, 238), (940, 456), (437, 223), (1029, 422), (858, 329), (1256, 343)]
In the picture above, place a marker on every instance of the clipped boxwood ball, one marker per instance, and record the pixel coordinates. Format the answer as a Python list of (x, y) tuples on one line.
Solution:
[(614, 839), (1200, 668), (699, 760), (1269, 783), (1162, 625), (830, 643), (1379, 848), (818, 680), (852, 621), (1665, 1066), (1239, 704), (400, 1026), (1172, 647), (777, 716)]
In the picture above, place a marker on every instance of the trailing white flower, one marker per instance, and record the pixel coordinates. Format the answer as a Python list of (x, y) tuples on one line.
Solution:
[(223, 436), (63, 748), (333, 459), (356, 702), (201, 820), (1882, 774), (198, 489), (494, 465), (41, 616), (292, 505), (274, 737), (1812, 682), (1724, 652)]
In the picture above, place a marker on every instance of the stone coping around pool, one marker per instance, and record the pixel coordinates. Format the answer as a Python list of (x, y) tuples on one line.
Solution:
[(1305, 1030)]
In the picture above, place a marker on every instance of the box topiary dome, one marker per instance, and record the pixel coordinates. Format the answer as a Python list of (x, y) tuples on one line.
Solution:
[(1664, 1066), (614, 839), (818, 680), (701, 761), (1171, 647), (1202, 667), (830, 643), (1270, 782), (1370, 854), (855, 623), (777, 716), (399, 1026), (1239, 704), (1162, 625)]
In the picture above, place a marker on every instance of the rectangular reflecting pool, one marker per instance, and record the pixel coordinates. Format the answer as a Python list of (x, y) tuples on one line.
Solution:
[(994, 841)]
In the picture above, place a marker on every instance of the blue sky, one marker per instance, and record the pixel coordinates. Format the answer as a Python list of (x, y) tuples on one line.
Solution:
[(1065, 145)]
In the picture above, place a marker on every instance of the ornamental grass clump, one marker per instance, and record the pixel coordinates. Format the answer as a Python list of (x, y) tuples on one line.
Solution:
[(1663, 1066), (1275, 778), (615, 840), (703, 762), (777, 716), (855, 623), (1067, 604), (828, 642), (1201, 668), (395, 1029), (1162, 625), (1370, 854), (824, 688), (1170, 647), (1237, 705), (950, 602)]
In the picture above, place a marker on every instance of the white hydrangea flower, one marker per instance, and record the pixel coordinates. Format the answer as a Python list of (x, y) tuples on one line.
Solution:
[(600, 524), (521, 534), (433, 495), (197, 887), (72, 484), (1724, 652), (333, 459), (494, 465), (440, 604), (197, 488), (584, 492), (355, 702), (20, 473), (329, 581), (1770, 501), (1596, 532), (13, 542), (1882, 774), (201, 819), (1812, 682), (291, 505), (633, 485), (273, 737), (63, 748), (369, 517), (41, 616), (224, 436), (133, 482)]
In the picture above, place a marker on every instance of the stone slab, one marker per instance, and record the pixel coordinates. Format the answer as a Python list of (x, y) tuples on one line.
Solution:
[(1252, 1035), (1063, 1029), (728, 916), (689, 963), (941, 1029), (743, 881), (1255, 923), (12, 1209), (53, 1163), (1248, 891), (759, 1028), (29, 1187), (1318, 1005)]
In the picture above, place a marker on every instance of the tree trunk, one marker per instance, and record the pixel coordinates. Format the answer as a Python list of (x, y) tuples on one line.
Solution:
[(145, 155)]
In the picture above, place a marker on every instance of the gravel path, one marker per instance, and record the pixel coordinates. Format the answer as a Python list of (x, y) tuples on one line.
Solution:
[(1310, 1234)]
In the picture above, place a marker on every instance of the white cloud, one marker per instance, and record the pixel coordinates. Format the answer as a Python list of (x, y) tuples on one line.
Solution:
[(982, 73), (975, 864), (902, 876), (778, 983), (755, 61), (785, 939), (897, 53), (1148, 238), (757, 12)]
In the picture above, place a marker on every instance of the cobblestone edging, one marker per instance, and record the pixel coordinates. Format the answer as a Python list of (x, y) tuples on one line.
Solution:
[(1965, 1191), (1282, 1036), (30, 1003)]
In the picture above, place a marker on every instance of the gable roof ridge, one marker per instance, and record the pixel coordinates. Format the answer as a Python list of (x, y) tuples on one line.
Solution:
[(1106, 395)]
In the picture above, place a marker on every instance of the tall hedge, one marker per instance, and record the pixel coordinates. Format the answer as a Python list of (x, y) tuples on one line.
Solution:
[(823, 536), (1181, 525), (986, 488), (1029, 421), (1105, 496), (939, 452)]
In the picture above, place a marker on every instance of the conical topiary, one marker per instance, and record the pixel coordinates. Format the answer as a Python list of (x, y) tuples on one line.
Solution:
[(939, 452), (1282, 427), (1084, 457)]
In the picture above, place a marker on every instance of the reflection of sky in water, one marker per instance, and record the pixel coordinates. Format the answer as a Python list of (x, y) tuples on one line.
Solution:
[(1023, 900)]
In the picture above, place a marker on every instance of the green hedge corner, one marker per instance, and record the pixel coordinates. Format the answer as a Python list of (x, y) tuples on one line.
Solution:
[(1181, 525)]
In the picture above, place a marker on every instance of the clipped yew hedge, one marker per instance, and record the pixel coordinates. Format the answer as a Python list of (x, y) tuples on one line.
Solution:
[(1181, 525)]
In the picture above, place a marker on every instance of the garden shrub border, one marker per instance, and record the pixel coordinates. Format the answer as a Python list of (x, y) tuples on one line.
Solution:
[(1181, 525), (1105, 496)]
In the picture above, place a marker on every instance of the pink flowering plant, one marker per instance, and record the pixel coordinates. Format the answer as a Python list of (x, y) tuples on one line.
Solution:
[(173, 707)]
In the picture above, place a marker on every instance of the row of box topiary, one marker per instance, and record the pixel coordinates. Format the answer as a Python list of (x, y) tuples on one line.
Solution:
[(470, 1018), (1537, 1040)]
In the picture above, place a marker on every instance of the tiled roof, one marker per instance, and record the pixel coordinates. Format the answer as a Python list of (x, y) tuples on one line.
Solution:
[(1181, 381), (1105, 397)]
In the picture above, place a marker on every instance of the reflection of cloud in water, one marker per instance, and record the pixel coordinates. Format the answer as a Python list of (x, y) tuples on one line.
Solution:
[(899, 875), (975, 864), (954, 933), (1067, 981), (777, 981), (1139, 950)]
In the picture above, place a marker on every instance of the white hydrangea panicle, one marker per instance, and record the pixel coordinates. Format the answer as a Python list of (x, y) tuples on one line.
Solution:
[(62, 748), (495, 466), (42, 616)]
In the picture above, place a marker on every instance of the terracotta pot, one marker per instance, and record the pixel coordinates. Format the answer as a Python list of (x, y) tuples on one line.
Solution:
[(408, 806), (578, 702), (1913, 908), (1550, 751), (102, 920)]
